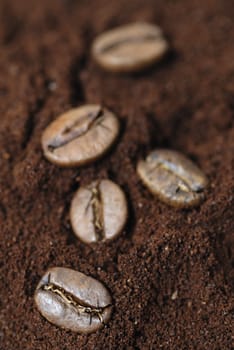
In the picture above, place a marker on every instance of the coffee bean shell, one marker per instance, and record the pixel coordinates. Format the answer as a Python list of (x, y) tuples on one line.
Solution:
[(114, 211), (91, 143), (128, 48), (85, 289), (173, 178)]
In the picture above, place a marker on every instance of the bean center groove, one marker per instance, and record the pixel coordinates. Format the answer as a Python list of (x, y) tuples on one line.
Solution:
[(183, 186), (70, 300), (148, 37), (96, 202), (77, 129)]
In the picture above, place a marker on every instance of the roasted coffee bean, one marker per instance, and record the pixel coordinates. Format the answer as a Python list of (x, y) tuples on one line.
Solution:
[(98, 211), (72, 300), (80, 136), (130, 48), (175, 179)]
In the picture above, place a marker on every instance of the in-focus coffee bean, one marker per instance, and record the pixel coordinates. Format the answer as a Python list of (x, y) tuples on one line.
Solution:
[(98, 211), (72, 300), (130, 48), (175, 179), (80, 136)]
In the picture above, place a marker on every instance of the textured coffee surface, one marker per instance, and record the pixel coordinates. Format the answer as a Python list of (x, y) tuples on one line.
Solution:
[(129, 48), (72, 300), (184, 104), (98, 211), (80, 136), (175, 179)]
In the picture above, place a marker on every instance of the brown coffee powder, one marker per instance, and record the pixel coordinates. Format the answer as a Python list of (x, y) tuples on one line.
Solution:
[(170, 271)]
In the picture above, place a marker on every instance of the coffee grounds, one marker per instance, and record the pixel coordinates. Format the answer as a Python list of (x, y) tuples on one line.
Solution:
[(170, 271)]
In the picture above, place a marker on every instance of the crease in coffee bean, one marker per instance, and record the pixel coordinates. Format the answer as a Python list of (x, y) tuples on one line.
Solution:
[(169, 167), (149, 37), (81, 308), (92, 116), (96, 202), (182, 187), (99, 122), (98, 211), (71, 134)]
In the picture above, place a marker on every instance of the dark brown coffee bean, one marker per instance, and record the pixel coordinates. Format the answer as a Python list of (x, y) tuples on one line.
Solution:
[(98, 211), (72, 300), (80, 136), (130, 48), (175, 179)]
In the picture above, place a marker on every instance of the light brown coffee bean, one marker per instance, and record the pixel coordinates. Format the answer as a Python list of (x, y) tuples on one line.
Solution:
[(72, 300), (130, 48), (98, 211), (175, 179), (80, 136)]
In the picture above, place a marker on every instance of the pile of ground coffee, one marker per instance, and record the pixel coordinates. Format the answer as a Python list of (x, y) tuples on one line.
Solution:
[(170, 272)]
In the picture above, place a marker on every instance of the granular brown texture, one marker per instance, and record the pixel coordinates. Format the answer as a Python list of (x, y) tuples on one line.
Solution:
[(170, 272)]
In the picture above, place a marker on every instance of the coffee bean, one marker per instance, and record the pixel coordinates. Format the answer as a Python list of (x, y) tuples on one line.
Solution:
[(72, 300), (175, 179), (80, 136), (98, 211), (130, 48)]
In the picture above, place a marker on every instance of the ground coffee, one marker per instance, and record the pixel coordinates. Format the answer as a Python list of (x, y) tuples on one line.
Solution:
[(170, 271)]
